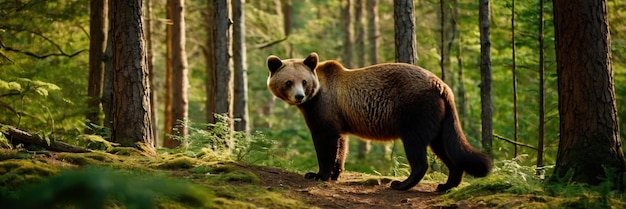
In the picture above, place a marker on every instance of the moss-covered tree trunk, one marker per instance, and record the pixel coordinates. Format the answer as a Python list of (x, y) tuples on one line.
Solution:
[(131, 88), (590, 140)]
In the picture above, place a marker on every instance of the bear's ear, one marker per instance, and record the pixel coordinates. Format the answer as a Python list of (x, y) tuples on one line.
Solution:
[(311, 61), (273, 63)]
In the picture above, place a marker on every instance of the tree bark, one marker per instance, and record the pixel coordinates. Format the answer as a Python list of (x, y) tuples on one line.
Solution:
[(372, 30), (150, 59), (240, 106), (107, 91), (542, 112), (404, 27), (589, 136), (180, 83), (209, 56), (222, 59), (359, 41), (168, 121), (514, 79), (485, 75), (131, 87), (346, 19), (97, 44)]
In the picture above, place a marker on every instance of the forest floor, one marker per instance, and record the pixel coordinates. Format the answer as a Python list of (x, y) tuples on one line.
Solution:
[(352, 190), (180, 181)]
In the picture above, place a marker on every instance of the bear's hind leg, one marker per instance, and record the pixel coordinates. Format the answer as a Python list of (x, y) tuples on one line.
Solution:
[(455, 175), (415, 149)]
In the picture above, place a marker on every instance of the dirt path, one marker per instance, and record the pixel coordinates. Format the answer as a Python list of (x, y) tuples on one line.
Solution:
[(351, 191)]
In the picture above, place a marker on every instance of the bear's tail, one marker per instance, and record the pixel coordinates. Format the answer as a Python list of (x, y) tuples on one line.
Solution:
[(456, 146)]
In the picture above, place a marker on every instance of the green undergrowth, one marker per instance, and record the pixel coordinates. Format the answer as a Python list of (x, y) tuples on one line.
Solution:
[(104, 180), (511, 185)]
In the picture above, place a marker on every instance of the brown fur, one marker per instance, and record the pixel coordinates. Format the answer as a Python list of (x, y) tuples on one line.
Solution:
[(379, 102)]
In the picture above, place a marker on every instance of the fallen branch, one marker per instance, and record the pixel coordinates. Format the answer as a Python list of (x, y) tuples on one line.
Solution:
[(514, 142), (17, 135)]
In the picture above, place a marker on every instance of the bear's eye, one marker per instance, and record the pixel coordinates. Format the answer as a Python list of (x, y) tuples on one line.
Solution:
[(288, 83), (304, 82)]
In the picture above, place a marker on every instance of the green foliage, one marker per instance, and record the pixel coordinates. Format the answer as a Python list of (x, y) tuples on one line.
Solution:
[(97, 187), (42, 70), (511, 182)]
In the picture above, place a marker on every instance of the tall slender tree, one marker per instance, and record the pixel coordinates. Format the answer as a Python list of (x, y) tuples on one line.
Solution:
[(131, 87), (514, 79), (97, 44), (348, 41), (180, 82), (209, 57), (373, 34), (485, 76), (168, 121), (590, 143), (150, 60), (542, 122), (442, 39), (359, 42), (404, 29), (240, 106), (223, 66)]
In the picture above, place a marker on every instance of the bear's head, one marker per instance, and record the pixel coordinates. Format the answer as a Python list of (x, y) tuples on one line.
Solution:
[(293, 80)]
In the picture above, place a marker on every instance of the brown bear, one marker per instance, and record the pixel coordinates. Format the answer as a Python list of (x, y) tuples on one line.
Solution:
[(379, 102)]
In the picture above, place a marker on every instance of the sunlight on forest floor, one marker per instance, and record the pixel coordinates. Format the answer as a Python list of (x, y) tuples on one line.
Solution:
[(103, 180)]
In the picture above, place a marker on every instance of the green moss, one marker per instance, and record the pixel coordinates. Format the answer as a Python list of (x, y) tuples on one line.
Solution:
[(177, 162), (15, 172), (219, 203), (6, 154), (278, 200), (240, 176), (125, 151), (92, 158)]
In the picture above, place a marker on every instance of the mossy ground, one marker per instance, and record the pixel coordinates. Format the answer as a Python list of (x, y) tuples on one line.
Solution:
[(105, 180)]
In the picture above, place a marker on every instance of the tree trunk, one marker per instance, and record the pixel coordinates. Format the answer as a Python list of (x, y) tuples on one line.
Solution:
[(222, 59), (168, 121), (372, 30), (150, 59), (131, 87), (589, 136), (513, 72), (542, 112), (180, 83), (442, 39), (485, 75), (107, 91), (404, 27), (97, 44), (240, 106), (209, 56), (359, 41), (346, 18)]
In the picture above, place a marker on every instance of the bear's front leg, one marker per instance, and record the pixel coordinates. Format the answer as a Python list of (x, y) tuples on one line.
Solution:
[(330, 149)]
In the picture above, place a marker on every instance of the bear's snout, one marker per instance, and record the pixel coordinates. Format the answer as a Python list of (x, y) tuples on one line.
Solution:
[(299, 97)]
